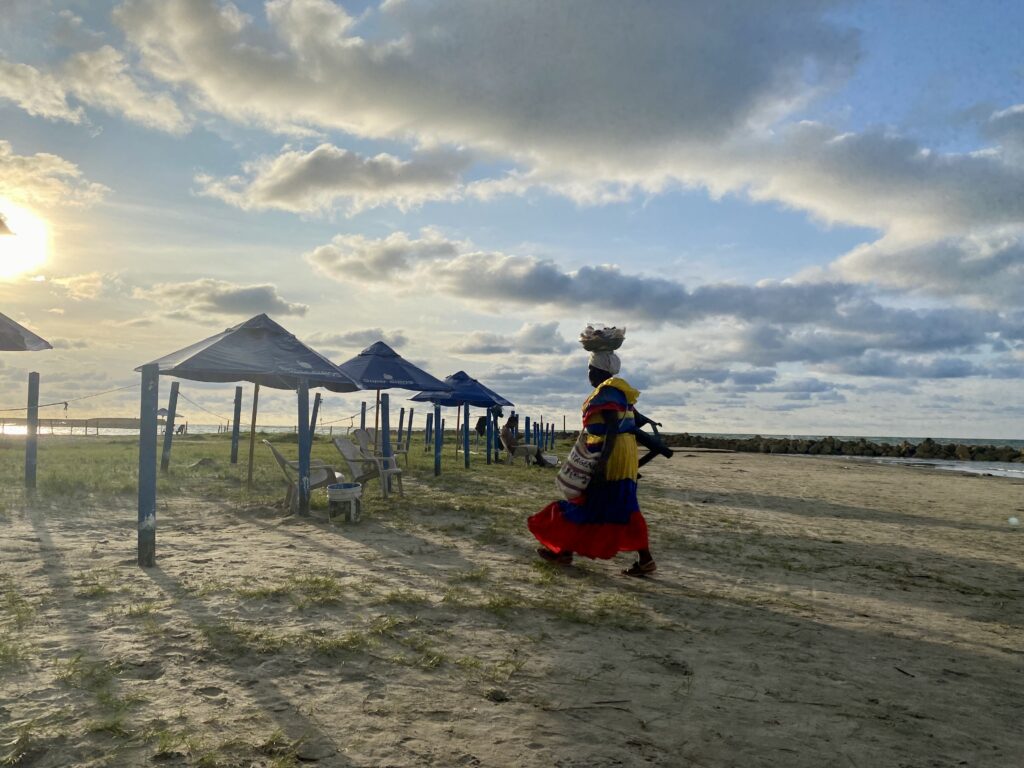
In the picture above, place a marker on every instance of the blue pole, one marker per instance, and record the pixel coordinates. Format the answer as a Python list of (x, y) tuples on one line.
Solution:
[(465, 434), (32, 431), (172, 408), (150, 392), (303, 394), (438, 437), (490, 436), (427, 433), (401, 425), (234, 425), (526, 430), (362, 415), (385, 431), (312, 418), (385, 426), (408, 433)]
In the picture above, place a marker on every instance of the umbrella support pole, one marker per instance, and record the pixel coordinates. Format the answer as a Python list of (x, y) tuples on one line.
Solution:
[(172, 408), (252, 433)]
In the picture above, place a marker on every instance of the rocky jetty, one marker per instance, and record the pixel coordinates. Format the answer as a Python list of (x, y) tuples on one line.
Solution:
[(831, 446)]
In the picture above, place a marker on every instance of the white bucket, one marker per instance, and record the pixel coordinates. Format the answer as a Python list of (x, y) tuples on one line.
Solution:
[(344, 491)]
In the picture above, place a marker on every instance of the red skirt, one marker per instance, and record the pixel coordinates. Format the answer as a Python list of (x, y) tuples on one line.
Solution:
[(555, 528)]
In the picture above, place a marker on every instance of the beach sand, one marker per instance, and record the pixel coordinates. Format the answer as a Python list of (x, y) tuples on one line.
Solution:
[(806, 612)]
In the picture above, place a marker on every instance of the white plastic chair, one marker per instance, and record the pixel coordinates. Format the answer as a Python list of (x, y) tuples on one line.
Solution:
[(320, 475), (364, 467)]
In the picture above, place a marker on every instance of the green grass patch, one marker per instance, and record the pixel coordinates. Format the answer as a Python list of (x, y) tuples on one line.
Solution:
[(13, 605), (87, 674), (94, 584)]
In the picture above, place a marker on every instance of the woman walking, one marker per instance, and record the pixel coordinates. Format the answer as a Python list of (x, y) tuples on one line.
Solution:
[(606, 518)]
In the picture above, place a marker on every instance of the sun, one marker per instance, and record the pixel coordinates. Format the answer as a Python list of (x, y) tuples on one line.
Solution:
[(25, 247)]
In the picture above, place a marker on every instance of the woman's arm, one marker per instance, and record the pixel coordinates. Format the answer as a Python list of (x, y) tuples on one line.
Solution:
[(611, 426)]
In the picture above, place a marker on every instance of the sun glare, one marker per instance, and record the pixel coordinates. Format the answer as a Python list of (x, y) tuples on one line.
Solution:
[(25, 248)]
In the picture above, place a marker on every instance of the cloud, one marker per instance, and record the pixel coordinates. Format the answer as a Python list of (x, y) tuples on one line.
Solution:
[(88, 286), (987, 270), (44, 179), (59, 343), (38, 93), (99, 78), (360, 338), (217, 297), (485, 72), (530, 339), (355, 258), (329, 176), (592, 99), (778, 321), (837, 324), (1006, 127)]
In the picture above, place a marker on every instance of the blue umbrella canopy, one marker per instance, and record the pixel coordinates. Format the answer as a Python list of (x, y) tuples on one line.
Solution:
[(380, 367), (258, 350), (17, 338), (464, 389)]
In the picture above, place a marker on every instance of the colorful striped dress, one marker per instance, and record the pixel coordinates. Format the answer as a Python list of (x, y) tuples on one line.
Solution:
[(606, 519)]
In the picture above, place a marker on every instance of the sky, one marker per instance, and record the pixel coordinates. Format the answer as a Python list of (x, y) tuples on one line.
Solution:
[(808, 215)]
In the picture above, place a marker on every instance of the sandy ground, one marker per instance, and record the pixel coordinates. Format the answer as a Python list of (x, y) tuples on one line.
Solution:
[(807, 612)]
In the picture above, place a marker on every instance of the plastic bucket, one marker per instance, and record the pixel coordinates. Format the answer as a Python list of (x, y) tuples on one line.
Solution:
[(344, 491)]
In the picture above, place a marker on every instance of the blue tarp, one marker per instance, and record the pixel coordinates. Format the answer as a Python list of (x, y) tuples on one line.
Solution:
[(464, 389), (18, 338), (380, 367), (258, 350)]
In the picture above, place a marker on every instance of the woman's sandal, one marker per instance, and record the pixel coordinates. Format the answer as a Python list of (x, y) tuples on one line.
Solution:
[(565, 558), (640, 569)]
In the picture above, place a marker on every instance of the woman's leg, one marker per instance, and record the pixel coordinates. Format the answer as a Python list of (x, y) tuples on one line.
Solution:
[(643, 566)]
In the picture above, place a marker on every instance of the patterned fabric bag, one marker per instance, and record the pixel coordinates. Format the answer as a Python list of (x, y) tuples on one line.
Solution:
[(575, 474)]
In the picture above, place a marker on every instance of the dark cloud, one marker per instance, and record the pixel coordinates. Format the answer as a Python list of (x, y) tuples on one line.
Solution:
[(360, 338), (216, 297)]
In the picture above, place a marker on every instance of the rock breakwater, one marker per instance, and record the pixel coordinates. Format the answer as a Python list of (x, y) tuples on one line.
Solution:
[(831, 446)]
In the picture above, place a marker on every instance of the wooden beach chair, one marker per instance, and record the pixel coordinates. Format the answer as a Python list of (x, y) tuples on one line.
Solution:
[(402, 449), (365, 440), (365, 467), (320, 476), (525, 451)]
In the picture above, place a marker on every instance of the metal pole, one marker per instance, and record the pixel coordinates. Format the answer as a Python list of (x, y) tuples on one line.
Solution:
[(526, 430), (362, 415), (490, 436), (376, 422), (465, 434), (252, 432), (303, 395), (438, 437), (149, 394), (31, 431), (458, 415), (497, 437), (234, 425), (408, 432), (172, 408), (401, 425), (427, 433)]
